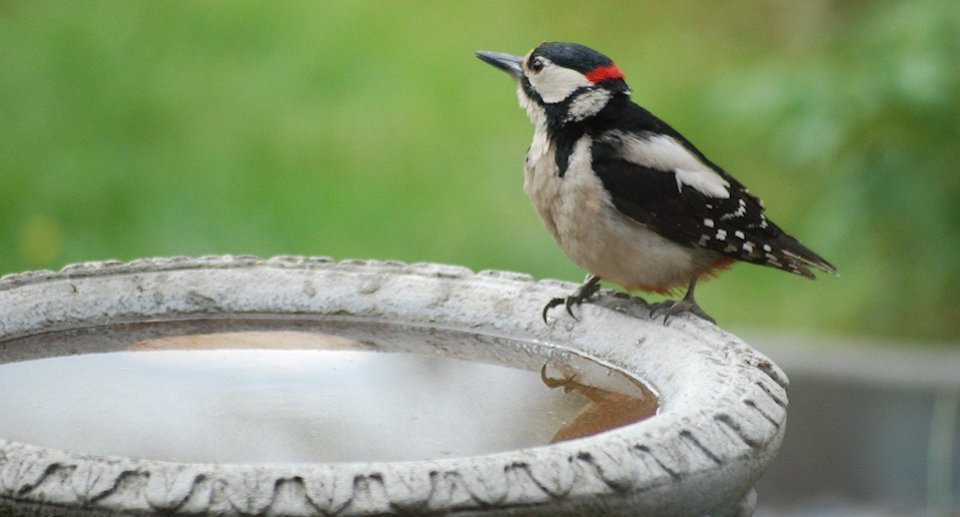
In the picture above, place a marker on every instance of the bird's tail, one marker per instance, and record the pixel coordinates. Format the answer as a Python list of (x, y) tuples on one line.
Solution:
[(797, 258)]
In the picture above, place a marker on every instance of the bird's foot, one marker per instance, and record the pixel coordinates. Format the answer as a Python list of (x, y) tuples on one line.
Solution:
[(586, 291), (688, 303), (671, 308)]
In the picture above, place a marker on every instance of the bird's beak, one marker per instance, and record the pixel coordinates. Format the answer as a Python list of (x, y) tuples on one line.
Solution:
[(507, 62)]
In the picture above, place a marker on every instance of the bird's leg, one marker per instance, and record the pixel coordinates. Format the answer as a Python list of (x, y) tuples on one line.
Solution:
[(686, 304), (588, 289)]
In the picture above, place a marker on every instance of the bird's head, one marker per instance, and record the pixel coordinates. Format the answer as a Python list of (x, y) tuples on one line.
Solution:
[(565, 81)]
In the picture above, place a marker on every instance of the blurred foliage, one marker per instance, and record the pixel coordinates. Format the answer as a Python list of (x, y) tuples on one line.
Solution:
[(369, 130)]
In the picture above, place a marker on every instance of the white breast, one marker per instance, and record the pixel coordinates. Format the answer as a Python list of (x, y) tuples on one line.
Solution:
[(541, 180)]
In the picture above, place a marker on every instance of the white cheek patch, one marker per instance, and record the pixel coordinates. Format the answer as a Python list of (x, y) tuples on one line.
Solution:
[(555, 83), (587, 104), (664, 153)]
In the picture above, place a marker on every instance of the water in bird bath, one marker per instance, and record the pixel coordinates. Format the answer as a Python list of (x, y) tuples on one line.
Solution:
[(293, 392)]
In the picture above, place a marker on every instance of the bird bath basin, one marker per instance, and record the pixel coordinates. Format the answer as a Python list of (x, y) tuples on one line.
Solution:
[(294, 396), (304, 386)]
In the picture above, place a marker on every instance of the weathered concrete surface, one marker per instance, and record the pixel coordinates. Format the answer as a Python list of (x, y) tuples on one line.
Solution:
[(722, 417)]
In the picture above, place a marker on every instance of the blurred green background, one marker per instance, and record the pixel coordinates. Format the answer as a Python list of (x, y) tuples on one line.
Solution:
[(369, 130)]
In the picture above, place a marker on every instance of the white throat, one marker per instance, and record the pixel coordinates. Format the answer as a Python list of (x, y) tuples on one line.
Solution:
[(535, 112)]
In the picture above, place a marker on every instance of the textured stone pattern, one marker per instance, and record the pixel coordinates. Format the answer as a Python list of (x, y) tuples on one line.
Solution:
[(722, 417)]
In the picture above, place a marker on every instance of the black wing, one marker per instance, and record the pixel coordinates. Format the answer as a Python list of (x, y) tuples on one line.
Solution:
[(734, 225)]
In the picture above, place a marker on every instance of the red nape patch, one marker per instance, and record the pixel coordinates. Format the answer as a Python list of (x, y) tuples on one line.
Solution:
[(604, 72)]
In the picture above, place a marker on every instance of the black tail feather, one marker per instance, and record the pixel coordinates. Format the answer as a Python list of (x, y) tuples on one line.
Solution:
[(797, 257)]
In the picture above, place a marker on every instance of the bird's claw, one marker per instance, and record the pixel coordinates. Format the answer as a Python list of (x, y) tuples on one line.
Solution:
[(567, 301), (585, 292), (674, 307), (564, 382)]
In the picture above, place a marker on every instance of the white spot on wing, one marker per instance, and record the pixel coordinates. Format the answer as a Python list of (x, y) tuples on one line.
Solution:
[(721, 234), (664, 153), (708, 222), (741, 211)]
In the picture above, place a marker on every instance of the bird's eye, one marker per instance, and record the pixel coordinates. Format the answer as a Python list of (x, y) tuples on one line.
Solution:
[(536, 64)]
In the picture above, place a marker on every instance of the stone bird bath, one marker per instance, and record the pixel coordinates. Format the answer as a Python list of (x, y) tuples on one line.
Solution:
[(721, 418)]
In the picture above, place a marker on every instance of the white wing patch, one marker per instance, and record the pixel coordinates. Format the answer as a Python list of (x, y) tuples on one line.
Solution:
[(664, 153), (703, 180)]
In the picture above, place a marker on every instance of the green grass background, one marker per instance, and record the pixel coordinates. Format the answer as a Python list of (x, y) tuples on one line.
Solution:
[(369, 130)]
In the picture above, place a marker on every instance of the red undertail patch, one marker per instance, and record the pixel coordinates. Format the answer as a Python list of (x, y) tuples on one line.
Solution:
[(604, 72), (715, 269)]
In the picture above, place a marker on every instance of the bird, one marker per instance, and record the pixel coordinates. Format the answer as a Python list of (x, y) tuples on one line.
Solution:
[(625, 195)]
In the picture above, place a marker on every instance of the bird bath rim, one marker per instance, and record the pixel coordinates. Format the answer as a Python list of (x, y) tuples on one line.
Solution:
[(722, 417)]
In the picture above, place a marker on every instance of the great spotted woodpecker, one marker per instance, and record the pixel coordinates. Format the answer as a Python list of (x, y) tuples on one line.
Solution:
[(626, 196)]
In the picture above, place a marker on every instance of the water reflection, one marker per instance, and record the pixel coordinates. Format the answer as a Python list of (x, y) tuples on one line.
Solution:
[(293, 396), (614, 398)]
